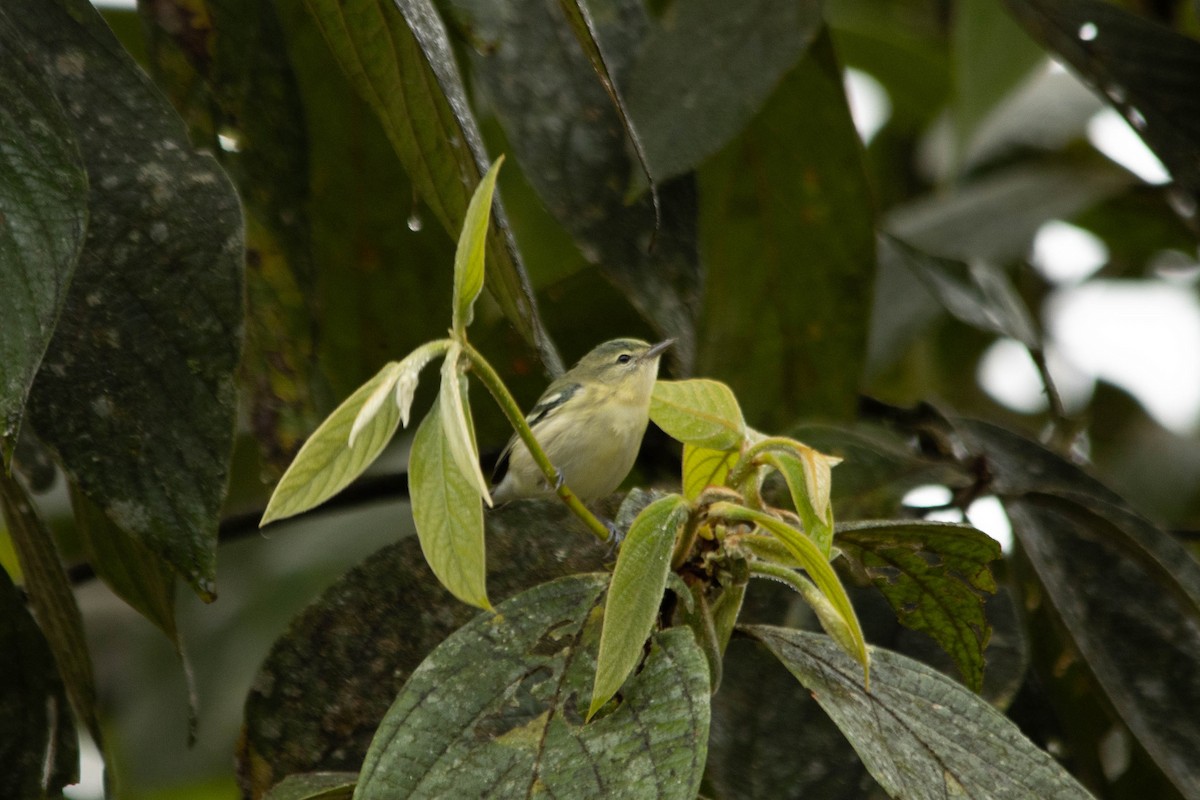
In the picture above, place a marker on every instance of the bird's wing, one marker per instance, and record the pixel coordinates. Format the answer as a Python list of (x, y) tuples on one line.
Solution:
[(547, 405)]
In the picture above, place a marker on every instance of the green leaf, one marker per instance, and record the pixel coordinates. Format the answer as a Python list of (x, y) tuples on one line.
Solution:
[(700, 412), (498, 708), (136, 391), (397, 56), (787, 229), (447, 512), (815, 563), (472, 242), (809, 480), (38, 743), (43, 191), (1150, 73), (934, 575), (314, 786), (567, 137), (349, 440), (459, 430), (636, 592), (688, 100), (704, 467), (921, 734), (52, 601)]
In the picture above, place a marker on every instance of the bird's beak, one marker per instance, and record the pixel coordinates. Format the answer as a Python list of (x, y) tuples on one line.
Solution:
[(657, 350)]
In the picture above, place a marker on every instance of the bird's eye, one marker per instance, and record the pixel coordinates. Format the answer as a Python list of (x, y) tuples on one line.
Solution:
[(624, 358)]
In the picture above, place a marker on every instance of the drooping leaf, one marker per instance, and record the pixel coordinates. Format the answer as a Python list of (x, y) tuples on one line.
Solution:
[(808, 481), (1150, 73), (52, 601), (700, 412), (564, 133), (38, 744), (499, 708), (635, 594), (786, 225), (934, 575), (336, 453), (704, 467), (314, 786), (472, 243), (921, 734), (459, 429), (402, 65), (447, 512), (43, 191), (706, 70), (136, 389), (328, 681)]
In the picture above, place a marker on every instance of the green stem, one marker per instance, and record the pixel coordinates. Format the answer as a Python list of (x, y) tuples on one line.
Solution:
[(683, 546), (747, 460), (511, 410), (801, 584)]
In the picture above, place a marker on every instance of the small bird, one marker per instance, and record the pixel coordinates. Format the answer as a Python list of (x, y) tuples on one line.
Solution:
[(590, 422)]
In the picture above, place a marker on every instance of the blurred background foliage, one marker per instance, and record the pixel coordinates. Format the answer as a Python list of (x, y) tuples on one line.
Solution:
[(916, 201)]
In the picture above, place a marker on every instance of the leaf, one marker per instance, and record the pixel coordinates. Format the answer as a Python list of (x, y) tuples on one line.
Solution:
[(814, 562), (787, 229), (498, 708), (136, 391), (402, 65), (314, 786), (1146, 70), (689, 100), (934, 575), (447, 512), (635, 594), (458, 429), (921, 734), (336, 453), (565, 134), (38, 743), (977, 293), (704, 467), (468, 258), (43, 191), (808, 479), (328, 681), (52, 602), (699, 412)]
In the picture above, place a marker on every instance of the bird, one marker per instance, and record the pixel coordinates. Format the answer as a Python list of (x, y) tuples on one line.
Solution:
[(590, 423)]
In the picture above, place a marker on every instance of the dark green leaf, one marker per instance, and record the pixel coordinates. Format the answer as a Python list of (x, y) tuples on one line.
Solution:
[(787, 230), (498, 709), (921, 734), (977, 293), (328, 681), (1147, 71), (935, 576), (706, 70), (447, 512), (38, 744), (52, 601), (636, 592), (314, 786), (699, 412), (569, 142), (136, 390), (43, 194), (401, 64)]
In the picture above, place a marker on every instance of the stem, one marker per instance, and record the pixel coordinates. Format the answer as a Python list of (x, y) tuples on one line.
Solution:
[(683, 547), (762, 569), (746, 462), (511, 410)]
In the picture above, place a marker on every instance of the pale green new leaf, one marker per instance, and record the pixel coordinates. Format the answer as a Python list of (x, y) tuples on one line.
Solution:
[(704, 467), (349, 439), (699, 412), (808, 481), (447, 513), (472, 244), (635, 594), (457, 425)]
